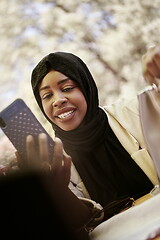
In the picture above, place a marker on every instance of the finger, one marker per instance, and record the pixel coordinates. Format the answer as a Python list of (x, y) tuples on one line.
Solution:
[(31, 152), (150, 79), (67, 158), (67, 166), (58, 154), (153, 69), (17, 156), (43, 148), (153, 57), (19, 159), (156, 58), (147, 57)]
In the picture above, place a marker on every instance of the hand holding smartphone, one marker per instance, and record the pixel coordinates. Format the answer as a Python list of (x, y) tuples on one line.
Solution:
[(17, 122)]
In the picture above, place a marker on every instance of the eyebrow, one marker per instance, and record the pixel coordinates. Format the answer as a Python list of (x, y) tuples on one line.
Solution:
[(61, 81)]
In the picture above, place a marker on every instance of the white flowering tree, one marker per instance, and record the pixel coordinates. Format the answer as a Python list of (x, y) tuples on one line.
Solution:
[(110, 36)]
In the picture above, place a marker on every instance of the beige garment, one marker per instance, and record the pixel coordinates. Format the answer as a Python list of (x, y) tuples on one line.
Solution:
[(125, 122)]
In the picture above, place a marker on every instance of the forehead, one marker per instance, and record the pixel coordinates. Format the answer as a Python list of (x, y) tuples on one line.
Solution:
[(53, 76), (54, 79)]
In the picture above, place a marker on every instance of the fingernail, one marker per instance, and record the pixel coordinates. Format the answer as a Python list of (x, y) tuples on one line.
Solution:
[(42, 136), (29, 138)]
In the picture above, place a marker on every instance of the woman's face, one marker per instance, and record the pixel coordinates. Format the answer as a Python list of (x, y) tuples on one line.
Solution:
[(62, 100)]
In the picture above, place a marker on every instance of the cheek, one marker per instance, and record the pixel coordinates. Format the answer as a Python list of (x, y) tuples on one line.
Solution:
[(83, 105), (47, 109)]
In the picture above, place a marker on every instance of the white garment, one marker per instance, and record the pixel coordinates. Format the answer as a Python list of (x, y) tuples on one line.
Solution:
[(140, 222)]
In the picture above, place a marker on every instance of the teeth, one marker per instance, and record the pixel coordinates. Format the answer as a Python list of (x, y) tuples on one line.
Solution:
[(65, 115)]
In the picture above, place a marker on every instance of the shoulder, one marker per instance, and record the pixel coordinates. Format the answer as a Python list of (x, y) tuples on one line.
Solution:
[(122, 108), (124, 119), (124, 113)]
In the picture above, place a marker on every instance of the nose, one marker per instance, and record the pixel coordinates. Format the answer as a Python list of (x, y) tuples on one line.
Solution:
[(59, 99)]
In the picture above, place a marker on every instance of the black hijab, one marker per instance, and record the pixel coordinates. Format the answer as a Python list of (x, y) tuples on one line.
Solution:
[(105, 167)]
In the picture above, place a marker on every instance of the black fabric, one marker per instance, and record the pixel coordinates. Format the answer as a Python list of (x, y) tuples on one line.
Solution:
[(105, 167)]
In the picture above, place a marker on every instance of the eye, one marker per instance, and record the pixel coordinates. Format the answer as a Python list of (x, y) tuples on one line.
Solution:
[(67, 89), (47, 96)]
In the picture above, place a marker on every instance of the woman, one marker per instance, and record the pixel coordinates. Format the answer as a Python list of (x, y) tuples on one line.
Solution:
[(109, 157)]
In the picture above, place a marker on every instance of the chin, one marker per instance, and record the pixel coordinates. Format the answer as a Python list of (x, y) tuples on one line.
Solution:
[(68, 128)]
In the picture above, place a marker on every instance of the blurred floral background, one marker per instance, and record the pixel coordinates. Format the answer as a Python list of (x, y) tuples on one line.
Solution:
[(110, 36)]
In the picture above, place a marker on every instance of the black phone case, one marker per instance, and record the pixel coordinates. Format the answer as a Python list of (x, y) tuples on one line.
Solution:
[(17, 122)]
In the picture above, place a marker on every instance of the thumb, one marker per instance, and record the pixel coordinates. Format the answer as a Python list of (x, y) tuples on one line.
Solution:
[(67, 165)]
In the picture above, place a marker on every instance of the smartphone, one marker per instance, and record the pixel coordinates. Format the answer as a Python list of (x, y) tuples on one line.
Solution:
[(17, 122)]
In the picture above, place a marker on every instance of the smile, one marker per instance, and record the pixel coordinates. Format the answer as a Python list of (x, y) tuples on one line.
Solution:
[(65, 115)]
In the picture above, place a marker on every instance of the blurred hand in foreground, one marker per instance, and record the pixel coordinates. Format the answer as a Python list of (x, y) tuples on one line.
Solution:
[(60, 166)]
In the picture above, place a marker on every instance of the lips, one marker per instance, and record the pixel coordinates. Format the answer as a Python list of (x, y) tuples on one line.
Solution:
[(64, 113)]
